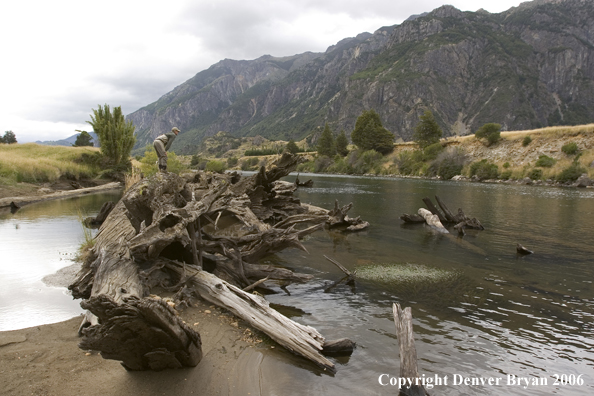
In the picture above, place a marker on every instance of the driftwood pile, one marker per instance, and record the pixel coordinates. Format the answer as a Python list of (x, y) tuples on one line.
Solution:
[(202, 235), (436, 219)]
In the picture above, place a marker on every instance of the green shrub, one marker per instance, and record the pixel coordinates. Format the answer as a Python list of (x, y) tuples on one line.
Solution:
[(491, 132), (449, 163), (306, 167), (544, 161), (369, 161), (535, 174), (263, 151), (322, 163), (432, 151), (340, 165), (571, 173), (449, 168), (506, 165), (505, 175), (484, 170), (570, 148), (232, 161), (215, 166), (249, 163), (409, 162), (527, 140)]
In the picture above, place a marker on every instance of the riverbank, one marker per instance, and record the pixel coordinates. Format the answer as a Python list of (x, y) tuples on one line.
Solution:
[(29, 193), (45, 360)]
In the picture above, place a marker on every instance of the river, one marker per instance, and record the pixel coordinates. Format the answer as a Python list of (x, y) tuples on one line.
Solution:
[(521, 325)]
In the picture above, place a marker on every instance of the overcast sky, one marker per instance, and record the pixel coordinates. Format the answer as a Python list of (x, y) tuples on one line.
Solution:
[(63, 58)]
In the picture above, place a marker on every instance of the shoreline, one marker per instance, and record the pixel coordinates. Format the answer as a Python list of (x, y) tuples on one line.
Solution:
[(22, 200), (46, 360)]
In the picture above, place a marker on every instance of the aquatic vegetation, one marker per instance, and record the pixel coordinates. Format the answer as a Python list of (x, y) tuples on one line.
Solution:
[(403, 273), (435, 286)]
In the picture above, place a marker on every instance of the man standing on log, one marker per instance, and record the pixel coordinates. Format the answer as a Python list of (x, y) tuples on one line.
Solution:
[(161, 144)]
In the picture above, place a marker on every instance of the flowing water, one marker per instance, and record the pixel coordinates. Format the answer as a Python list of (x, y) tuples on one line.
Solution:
[(481, 312)]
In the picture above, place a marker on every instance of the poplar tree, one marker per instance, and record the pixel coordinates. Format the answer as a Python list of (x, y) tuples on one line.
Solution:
[(116, 136)]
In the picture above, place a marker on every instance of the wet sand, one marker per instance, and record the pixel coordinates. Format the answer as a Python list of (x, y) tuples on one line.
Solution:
[(45, 360)]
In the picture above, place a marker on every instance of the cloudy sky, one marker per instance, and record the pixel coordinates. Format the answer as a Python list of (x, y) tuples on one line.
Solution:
[(63, 58)]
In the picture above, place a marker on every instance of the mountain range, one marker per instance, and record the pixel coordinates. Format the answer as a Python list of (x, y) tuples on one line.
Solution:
[(528, 67)]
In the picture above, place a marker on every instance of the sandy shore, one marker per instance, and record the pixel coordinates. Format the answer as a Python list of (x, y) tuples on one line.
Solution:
[(45, 360)]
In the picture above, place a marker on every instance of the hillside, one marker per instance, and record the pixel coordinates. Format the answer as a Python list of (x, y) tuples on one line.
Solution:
[(529, 67)]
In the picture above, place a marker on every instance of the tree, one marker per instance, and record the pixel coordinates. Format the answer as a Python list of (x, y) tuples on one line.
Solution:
[(291, 147), (8, 138), (83, 139), (116, 136), (370, 134), (427, 131), (326, 143), (342, 143), (490, 131)]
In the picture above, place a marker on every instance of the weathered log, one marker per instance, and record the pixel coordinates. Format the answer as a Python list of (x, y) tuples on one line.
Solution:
[(349, 274), (434, 210), (338, 217), (308, 183), (122, 326), (460, 219), (341, 347), (105, 210), (432, 220), (450, 218), (297, 338), (142, 333), (408, 351), (413, 218)]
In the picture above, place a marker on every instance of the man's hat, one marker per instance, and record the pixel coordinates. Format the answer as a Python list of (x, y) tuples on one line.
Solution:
[(174, 129)]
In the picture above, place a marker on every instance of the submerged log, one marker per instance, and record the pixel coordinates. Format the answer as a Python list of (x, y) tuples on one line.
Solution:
[(522, 250), (298, 183), (105, 210), (219, 222), (338, 217)]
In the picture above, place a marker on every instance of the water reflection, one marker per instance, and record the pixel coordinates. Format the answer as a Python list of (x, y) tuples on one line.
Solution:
[(38, 240)]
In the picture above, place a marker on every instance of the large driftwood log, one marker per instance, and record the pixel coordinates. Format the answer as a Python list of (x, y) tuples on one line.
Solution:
[(300, 339), (432, 220), (220, 222)]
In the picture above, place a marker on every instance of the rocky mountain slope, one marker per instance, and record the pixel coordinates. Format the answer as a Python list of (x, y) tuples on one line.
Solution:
[(525, 68)]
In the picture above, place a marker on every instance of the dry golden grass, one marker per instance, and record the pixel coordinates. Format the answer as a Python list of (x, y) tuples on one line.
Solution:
[(132, 177), (556, 131), (34, 163)]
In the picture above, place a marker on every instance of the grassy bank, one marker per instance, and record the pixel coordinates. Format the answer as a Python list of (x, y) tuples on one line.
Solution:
[(34, 163), (538, 154)]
